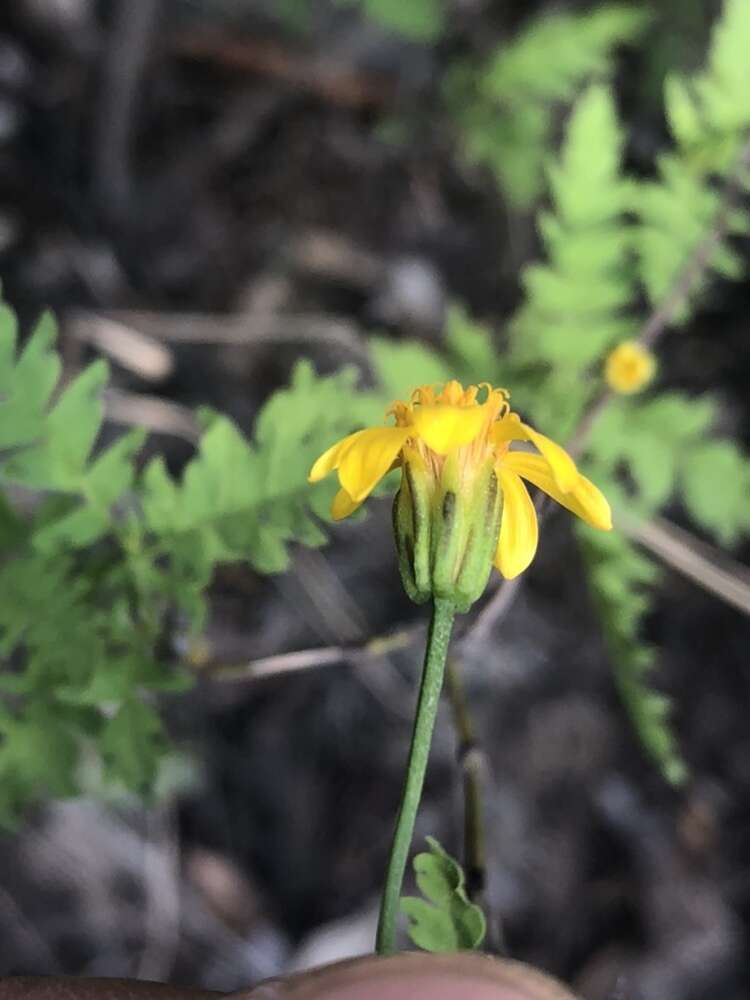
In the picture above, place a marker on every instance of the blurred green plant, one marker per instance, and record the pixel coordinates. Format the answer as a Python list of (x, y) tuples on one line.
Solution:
[(418, 20), (620, 578), (709, 117), (505, 110), (90, 578)]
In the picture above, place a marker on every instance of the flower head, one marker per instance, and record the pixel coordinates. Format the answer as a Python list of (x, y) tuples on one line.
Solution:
[(462, 504), (629, 367)]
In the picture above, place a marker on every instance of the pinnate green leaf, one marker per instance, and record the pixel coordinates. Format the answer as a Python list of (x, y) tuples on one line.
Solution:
[(620, 575), (505, 111)]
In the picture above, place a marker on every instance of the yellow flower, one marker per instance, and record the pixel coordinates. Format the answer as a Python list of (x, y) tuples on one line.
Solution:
[(454, 450), (629, 367)]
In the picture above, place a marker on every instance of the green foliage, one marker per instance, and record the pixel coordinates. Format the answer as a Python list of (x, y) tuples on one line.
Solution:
[(653, 438), (47, 445), (253, 514), (420, 21), (664, 444), (676, 213), (505, 111), (400, 367), (87, 582), (104, 553), (708, 113), (574, 303), (72, 641), (446, 919), (470, 351), (602, 235), (417, 20), (715, 480), (709, 117), (295, 14), (620, 577), (74, 662)]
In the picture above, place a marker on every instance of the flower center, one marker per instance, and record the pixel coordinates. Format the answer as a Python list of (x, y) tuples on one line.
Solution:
[(453, 422)]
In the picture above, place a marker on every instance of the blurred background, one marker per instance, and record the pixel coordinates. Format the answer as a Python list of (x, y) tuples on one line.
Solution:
[(205, 191)]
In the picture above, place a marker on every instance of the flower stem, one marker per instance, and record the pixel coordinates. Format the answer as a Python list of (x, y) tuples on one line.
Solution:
[(421, 737)]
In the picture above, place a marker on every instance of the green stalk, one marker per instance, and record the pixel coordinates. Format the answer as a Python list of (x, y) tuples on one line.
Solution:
[(421, 737)]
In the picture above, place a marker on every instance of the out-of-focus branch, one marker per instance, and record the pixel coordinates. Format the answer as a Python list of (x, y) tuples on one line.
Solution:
[(321, 656), (243, 329), (329, 80), (157, 415), (125, 58), (710, 568)]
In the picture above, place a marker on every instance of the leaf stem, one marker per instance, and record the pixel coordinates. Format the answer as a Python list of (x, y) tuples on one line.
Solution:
[(421, 738)]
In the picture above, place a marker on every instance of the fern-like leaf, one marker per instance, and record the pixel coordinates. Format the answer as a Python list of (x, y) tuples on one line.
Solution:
[(574, 304), (620, 577), (506, 114), (47, 442), (81, 655), (682, 210), (242, 501), (710, 112)]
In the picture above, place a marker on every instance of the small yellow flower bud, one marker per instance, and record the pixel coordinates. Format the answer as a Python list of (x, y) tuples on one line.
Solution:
[(629, 367)]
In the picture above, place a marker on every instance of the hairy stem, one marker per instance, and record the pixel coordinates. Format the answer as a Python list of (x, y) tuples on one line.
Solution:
[(424, 723)]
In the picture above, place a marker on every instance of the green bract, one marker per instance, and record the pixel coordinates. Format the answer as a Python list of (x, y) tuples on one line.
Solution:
[(446, 537)]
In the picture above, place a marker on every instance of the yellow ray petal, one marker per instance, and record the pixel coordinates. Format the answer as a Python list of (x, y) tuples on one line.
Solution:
[(563, 467), (443, 427), (342, 505), (585, 500), (367, 459), (509, 428), (519, 531), (331, 459)]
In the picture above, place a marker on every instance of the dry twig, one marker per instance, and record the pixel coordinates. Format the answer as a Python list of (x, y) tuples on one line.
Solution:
[(303, 659), (711, 569), (245, 329), (152, 412), (126, 54), (345, 86)]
